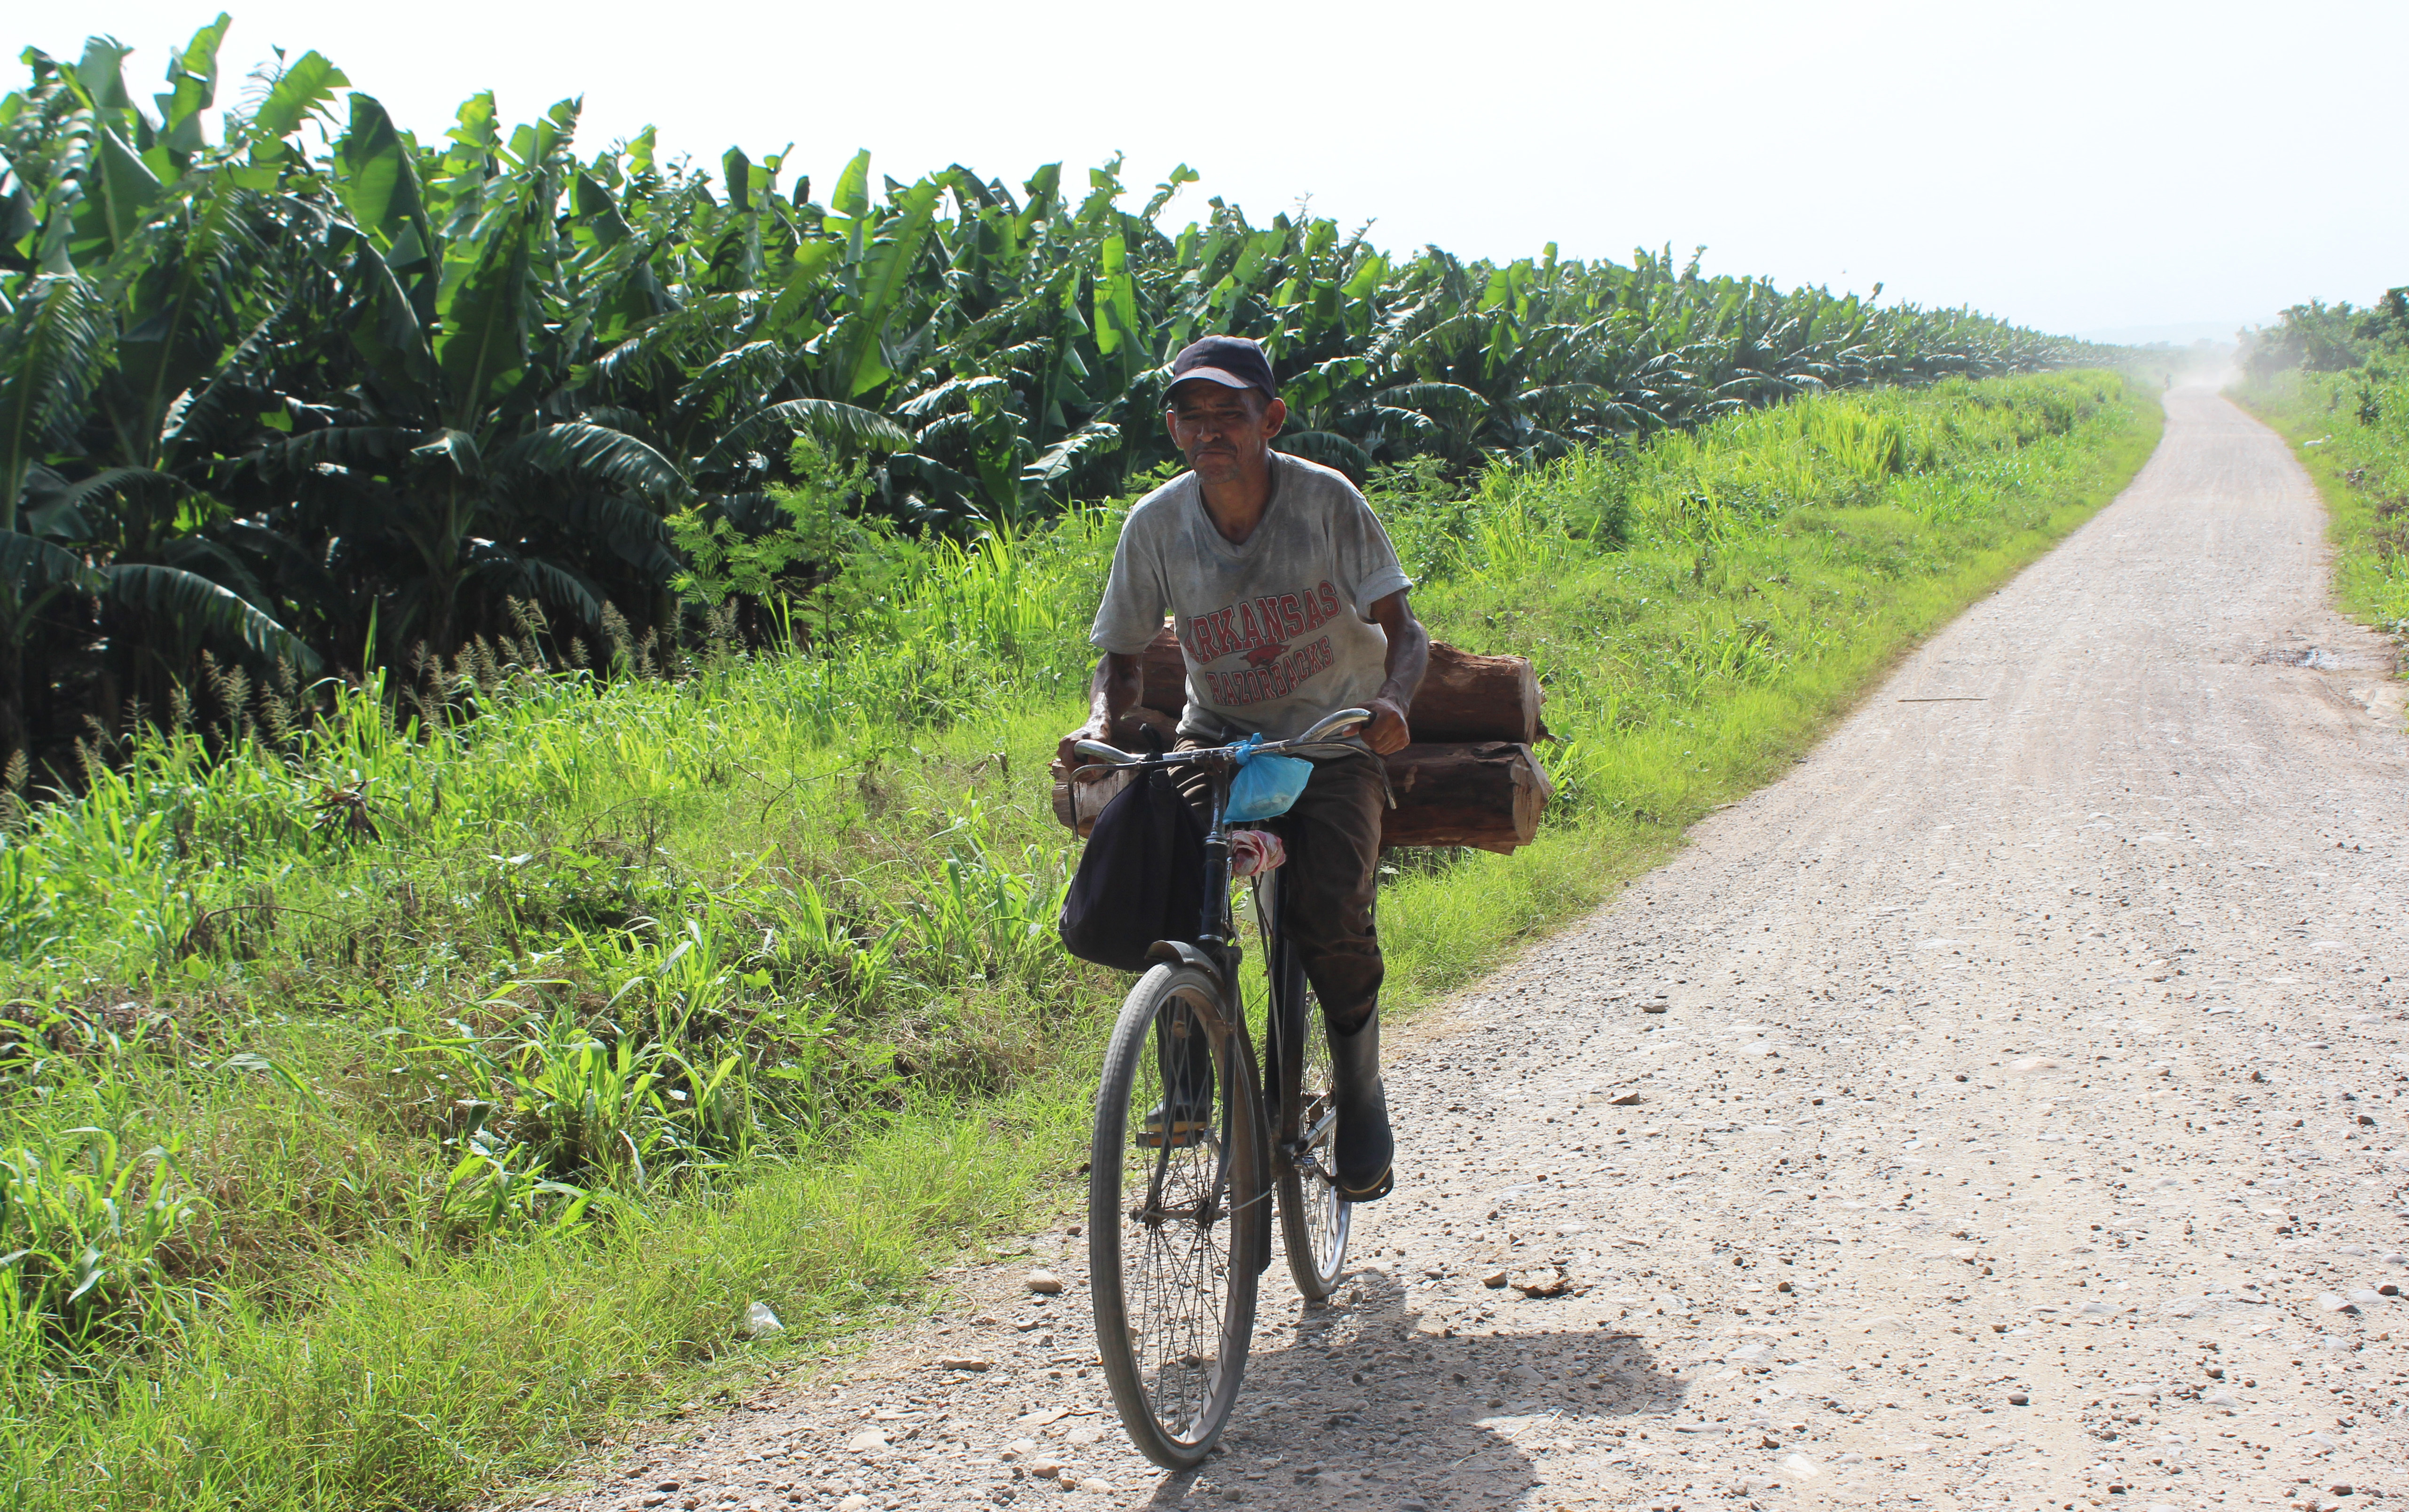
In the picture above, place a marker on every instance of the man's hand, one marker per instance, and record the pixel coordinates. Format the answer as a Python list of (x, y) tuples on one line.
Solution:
[(1071, 760), (1389, 732), (1112, 693)]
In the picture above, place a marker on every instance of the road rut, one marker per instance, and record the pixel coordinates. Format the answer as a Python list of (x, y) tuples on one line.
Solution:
[(2019, 1120)]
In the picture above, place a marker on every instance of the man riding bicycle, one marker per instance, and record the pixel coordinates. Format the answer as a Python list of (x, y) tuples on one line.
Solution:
[(1289, 604)]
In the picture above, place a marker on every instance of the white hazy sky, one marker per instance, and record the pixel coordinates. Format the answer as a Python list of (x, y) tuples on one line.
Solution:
[(2092, 166)]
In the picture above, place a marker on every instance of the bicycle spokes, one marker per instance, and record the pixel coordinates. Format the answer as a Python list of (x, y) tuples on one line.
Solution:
[(1184, 1060)]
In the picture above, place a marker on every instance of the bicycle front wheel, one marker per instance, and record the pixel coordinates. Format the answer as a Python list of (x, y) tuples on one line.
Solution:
[(1175, 1215)]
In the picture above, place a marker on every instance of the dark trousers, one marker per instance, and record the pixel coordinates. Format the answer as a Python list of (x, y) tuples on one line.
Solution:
[(1332, 880)]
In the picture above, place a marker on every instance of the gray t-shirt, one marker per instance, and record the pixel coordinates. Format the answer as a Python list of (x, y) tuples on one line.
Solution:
[(1273, 630)]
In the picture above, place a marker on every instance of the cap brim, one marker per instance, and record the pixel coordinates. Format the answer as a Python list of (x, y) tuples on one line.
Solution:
[(1216, 375)]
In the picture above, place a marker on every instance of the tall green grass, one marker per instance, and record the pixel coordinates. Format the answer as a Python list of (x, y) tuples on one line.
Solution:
[(2351, 430), (429, 1097)]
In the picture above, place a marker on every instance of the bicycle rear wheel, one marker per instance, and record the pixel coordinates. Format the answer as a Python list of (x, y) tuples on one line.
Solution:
[(1314, 1223), (1175, 1215)]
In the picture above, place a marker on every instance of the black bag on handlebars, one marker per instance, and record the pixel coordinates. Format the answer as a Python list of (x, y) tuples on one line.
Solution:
[(1141, 879)]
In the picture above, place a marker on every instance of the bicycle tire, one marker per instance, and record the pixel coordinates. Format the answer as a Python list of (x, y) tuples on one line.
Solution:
[(1174, 1299), (1314, 1223)]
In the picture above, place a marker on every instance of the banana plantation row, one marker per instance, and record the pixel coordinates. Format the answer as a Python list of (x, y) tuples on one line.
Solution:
[(348, 405)]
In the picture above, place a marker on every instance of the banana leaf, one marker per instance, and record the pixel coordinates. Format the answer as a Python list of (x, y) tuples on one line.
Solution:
[(205, 609)]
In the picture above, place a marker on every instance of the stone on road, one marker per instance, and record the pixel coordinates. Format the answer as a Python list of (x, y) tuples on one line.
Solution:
[(2022, 1082)]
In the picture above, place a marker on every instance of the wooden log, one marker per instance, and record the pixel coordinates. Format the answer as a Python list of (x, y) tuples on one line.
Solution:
[(1468, 697), (1486, 794), (1077, 803), (1463, 696), (1166, 675)]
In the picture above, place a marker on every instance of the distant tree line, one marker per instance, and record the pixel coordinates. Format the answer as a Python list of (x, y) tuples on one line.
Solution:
[(2319, 338)]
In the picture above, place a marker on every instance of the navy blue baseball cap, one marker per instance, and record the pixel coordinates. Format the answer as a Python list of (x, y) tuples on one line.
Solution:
[(1232, 361)]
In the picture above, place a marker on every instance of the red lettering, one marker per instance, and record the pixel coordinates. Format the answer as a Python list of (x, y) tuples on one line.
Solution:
[(1268, 615), (1259, 622)]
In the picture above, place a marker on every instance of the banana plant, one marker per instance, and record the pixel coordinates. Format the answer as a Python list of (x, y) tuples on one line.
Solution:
[(126, 286), (258, 396)]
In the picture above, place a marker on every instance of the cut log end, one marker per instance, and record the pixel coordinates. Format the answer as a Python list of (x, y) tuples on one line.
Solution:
[(1466, 696), (1078, 799), (1486, 795)]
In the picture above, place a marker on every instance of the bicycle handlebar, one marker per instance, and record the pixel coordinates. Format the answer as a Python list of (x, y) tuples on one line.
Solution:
[(1318, 736), (1323, 728)]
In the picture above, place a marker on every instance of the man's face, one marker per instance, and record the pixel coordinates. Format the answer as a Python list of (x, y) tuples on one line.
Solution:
[(1218, 429)]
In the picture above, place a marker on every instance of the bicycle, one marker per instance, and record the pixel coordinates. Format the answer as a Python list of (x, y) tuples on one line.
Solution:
[(1186, 1150)]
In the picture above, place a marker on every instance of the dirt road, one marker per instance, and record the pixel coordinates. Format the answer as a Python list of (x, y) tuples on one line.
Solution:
[(2019, 1120)]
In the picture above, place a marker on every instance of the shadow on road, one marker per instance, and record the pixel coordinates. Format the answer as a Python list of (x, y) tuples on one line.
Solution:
[(1354, 1407)]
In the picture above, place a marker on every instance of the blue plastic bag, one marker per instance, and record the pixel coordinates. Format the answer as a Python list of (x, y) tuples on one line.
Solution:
[(1266, 786)]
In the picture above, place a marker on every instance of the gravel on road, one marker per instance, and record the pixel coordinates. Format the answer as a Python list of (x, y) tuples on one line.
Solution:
[(2019, 1122)]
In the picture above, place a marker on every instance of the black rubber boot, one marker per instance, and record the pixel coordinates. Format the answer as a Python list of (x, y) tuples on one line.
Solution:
[(1365, 1149)]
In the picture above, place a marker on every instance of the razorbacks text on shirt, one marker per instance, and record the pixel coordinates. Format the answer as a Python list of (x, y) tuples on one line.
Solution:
[(1262, 629)]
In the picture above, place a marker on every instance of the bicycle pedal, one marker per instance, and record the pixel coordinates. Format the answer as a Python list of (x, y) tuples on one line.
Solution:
[(1185, 1133)]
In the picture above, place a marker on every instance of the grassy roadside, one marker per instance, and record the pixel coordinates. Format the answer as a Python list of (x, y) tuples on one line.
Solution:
[(387, 1005), (2351, 432)]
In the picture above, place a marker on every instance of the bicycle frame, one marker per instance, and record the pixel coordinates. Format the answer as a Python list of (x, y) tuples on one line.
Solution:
[(1217, 939)]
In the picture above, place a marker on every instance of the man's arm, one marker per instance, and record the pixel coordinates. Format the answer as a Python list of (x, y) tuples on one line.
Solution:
[(1112, 692), (1408, 659)]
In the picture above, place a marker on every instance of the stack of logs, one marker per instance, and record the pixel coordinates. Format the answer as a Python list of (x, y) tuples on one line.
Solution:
[(1468, 778)]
